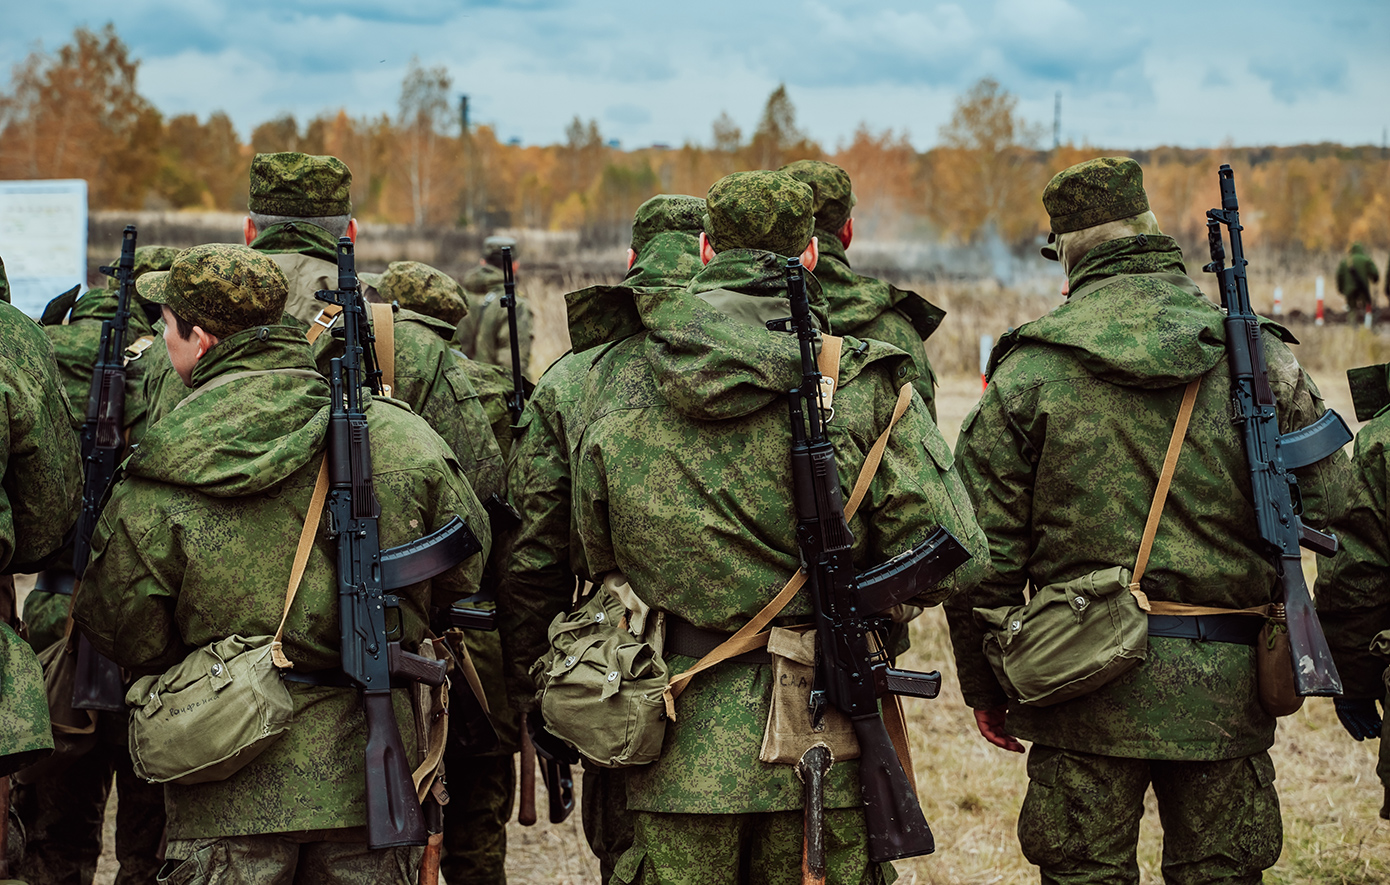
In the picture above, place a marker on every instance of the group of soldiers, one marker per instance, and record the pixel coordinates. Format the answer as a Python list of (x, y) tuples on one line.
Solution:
[(1357, 276), (656, 453)]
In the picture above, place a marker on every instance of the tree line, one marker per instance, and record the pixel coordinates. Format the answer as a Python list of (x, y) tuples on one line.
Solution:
[(77, 113)]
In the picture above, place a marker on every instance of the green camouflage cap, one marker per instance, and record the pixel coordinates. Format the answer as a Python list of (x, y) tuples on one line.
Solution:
[(300, 185), (834, 197), (423, 289), (664, 213), (1094, 192), (492, 249), (147, 258), (220, 287), (760, 210)]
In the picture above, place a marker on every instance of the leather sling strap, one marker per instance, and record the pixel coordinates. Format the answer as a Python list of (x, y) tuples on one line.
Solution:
[(751, 636), (301, 559), (384, 328), (323, 322)]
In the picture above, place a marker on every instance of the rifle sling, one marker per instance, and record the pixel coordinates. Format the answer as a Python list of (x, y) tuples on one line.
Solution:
[(301, 559), (383, 327), (750, 636)]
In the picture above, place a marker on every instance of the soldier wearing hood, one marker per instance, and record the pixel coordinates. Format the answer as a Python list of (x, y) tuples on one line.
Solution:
[(1356, 280), (1061, 457), (683, 484)]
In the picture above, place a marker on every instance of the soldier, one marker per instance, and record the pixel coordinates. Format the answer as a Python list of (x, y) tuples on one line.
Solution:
[(66, 809), (683, 484), (540, 564), (863, 306), (1356, 279), (1062, 458), (485, 334), (1353, 589), (195, 544)]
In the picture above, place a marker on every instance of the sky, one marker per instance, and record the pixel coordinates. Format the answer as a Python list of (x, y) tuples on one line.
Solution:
[(1130, 75)]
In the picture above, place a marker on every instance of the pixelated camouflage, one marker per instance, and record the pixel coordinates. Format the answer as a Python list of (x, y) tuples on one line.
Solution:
[(1094, 192), (834, 196), (4, 284), (484, 334), (1356, 278), (222, 288), (76, 342), (763, 210), (26, 735), (666, 213), (340, 858), (195, 543), (300, 185), (1110, 366), (421, 288), (147, 258)]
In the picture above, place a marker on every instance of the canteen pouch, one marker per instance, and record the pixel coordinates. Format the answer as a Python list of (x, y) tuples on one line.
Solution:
[(790, 732), (600, 687), (1274, 667), (207, 717), (1068, 640)]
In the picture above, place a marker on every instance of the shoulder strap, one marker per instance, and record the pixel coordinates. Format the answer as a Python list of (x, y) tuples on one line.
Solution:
[(750, 635), (1165, 479), (384, 328), (323, 322), (301, 559)]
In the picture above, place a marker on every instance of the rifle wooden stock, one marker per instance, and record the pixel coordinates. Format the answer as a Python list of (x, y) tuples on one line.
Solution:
[(393, 808), (526, 812)]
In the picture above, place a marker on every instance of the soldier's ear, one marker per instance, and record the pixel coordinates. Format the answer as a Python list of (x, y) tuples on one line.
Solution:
[(811, 256), (631, 257), (352, 229), (249, 229), (846, 232), (706, 250)]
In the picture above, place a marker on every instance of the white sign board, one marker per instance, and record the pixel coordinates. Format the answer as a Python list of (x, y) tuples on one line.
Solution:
[(43, 239)]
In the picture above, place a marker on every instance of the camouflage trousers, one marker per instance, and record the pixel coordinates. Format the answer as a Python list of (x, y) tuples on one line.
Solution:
[(748, 849), (607, 822), (1080, 820), (320, 857), (482, 790)]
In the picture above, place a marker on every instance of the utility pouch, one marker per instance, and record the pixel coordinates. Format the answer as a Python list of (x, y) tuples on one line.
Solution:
[(1274, 666), (207, 717), (790, 731), (601, 686)]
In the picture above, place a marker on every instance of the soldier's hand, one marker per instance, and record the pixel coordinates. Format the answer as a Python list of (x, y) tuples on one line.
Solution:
[(991, 724), (547, 745), (1359, 717)]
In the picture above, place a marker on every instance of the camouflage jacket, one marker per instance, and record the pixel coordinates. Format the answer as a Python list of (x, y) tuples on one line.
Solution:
[(195, 544), (75, 344), (1353, 589), (683, 483), (308, 257), (1062, 456), (41, 475), (484, 333), (544, 555), (868, 308)]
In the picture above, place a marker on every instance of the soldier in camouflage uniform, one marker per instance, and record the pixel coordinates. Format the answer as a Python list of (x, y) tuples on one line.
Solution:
[(1062, 457), (195, 544), (863, 306), (485, 334), (540, 564), (1356, 280), (65, 811), (1353, 590), (683, 484)]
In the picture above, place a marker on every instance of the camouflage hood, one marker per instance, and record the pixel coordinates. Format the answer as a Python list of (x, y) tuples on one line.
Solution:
[(246, 435), (1135, 319), (481, 279), (601, 314), (855, 301)]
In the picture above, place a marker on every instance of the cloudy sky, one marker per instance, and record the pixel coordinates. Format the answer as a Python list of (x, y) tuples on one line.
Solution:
[(1186, 72)]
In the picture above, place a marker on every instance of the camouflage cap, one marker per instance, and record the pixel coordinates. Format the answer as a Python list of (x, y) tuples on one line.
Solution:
[(300, 185), (834, 197), (492, 249), (1094, 192), (667, 212), (220, 287), (760, 210), (147, 258), (423, 289)]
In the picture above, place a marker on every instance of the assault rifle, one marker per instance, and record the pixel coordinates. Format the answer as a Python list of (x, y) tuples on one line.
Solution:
[(97, 683), (1276, 497), (516, 401), (370, 647), (852, 669)]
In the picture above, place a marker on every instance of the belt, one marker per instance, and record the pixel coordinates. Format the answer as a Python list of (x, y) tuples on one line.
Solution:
[(329, 678), (1239, 629), (56, 581), (684, 638)]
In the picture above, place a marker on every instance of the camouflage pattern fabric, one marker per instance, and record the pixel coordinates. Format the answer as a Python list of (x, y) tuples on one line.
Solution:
[(168, 576), (1068, 442), (756, 848), (4, 284), (1353, 587), (1094, 192), (484, 334), (421, 288), (41, 473), (343, 859), (1080, 820), (494, 386), (222, 288), (147, 258), (868, 308), (682, 483), (834, 196), (76, 342), (308, 257), (608, 827), (763, 210), (25, 732), (667, 214), (300, 185), (482, 791), (1356, 278)]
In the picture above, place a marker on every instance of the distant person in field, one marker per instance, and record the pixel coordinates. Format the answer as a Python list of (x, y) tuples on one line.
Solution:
[(1356, 280), (484, 334)]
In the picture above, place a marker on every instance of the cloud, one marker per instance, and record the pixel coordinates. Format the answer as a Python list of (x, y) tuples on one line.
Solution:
[(628, 115), (1299, 75)]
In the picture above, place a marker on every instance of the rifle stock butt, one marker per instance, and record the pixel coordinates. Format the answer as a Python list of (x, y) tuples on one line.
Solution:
[(1314, 673), (892, 815), (394, 817)]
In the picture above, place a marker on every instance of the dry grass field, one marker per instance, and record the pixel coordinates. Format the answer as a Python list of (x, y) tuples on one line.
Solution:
[(971, 790)]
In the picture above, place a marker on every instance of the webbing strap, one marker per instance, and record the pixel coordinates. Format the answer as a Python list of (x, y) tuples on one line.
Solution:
[(384, 328), (301, 559), (323, 322), (1165, 479)]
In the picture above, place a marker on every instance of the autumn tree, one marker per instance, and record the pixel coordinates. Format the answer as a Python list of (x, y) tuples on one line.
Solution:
[(203, 164), (778, 140), (426, 152)]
